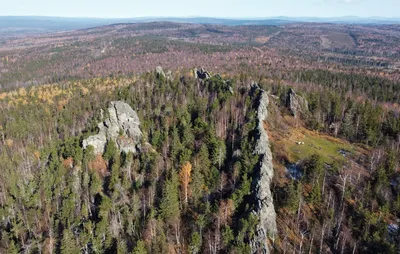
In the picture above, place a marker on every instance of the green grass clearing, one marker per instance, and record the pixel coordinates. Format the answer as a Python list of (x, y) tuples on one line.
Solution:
[(327, 147)]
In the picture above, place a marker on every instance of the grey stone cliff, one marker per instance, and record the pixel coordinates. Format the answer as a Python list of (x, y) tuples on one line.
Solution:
[(122, 126), (264, 207)]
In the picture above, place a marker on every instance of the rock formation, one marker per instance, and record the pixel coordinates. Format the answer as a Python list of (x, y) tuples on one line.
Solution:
[(201, 74), (296, 103), (264, 207), (122, 126), (161, 74)]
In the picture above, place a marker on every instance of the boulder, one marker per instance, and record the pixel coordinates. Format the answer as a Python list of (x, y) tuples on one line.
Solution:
[(296, 103), (121, 125)]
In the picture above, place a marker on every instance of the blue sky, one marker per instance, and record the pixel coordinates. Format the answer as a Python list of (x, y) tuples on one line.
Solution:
[(209, 8)]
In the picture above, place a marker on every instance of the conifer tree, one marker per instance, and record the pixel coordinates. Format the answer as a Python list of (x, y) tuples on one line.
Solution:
[(68, 243), (169, 206), (140, 248)]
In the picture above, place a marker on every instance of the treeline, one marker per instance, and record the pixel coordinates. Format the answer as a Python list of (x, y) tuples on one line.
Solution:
[(350, 106), (372, 87)]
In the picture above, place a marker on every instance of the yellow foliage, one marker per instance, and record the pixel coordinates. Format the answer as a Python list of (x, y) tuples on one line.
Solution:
[(36, 154), (61, 104), (9, 142), (184, 177), (85, 91), (22, 92), (3, 96), (32, 92)]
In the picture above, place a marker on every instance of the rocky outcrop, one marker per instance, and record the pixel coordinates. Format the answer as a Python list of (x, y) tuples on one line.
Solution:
[(296, 103), (161, 74), (201, 74), (122, 126), (264, 207)]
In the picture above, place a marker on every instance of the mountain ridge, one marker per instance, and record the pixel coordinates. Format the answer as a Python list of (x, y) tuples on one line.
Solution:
[(51, 24)]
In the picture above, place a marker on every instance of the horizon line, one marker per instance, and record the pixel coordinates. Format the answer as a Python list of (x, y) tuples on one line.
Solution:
[(210, 17)]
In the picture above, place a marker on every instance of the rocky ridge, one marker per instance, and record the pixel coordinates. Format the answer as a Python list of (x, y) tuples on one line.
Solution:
[(264, 207)]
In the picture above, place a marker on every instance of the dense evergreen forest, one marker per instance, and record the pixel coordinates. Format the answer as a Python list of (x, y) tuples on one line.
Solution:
[(189, 189)]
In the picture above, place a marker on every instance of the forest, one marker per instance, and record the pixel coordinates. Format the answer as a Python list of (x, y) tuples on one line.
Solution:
[(191, 187)]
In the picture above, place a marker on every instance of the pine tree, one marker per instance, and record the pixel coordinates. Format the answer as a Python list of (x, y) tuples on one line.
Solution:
[(68, 243), (314, 167), (227, 236), (197, 185), (348, 129), (293, 195), (121, 247), (12, 248), (195, 243), (110, 150), (169, 206), (140, 248)]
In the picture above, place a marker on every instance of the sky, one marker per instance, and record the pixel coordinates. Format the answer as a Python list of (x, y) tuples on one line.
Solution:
[(204, 8)]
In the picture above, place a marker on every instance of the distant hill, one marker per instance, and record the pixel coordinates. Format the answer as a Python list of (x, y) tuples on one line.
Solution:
[(36, 24)]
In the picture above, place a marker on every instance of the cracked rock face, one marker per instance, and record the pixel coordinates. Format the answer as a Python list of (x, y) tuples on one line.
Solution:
[(122, 126), (264, 207)]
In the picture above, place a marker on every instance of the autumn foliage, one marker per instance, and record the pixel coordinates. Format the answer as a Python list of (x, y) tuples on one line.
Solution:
[(185, 179), (99, 165)]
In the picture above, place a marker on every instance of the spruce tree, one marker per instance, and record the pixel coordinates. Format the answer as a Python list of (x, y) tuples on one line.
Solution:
[(169, 206)]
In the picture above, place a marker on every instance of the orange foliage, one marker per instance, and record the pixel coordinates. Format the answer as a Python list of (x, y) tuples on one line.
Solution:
[(36, 154), (99, 165), (49, 245), (9, 142), (226, 209), (68, 162), (61, 104)]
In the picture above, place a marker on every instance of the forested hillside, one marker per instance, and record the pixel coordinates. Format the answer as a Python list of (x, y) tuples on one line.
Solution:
[(190, 188), (285, 139)]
